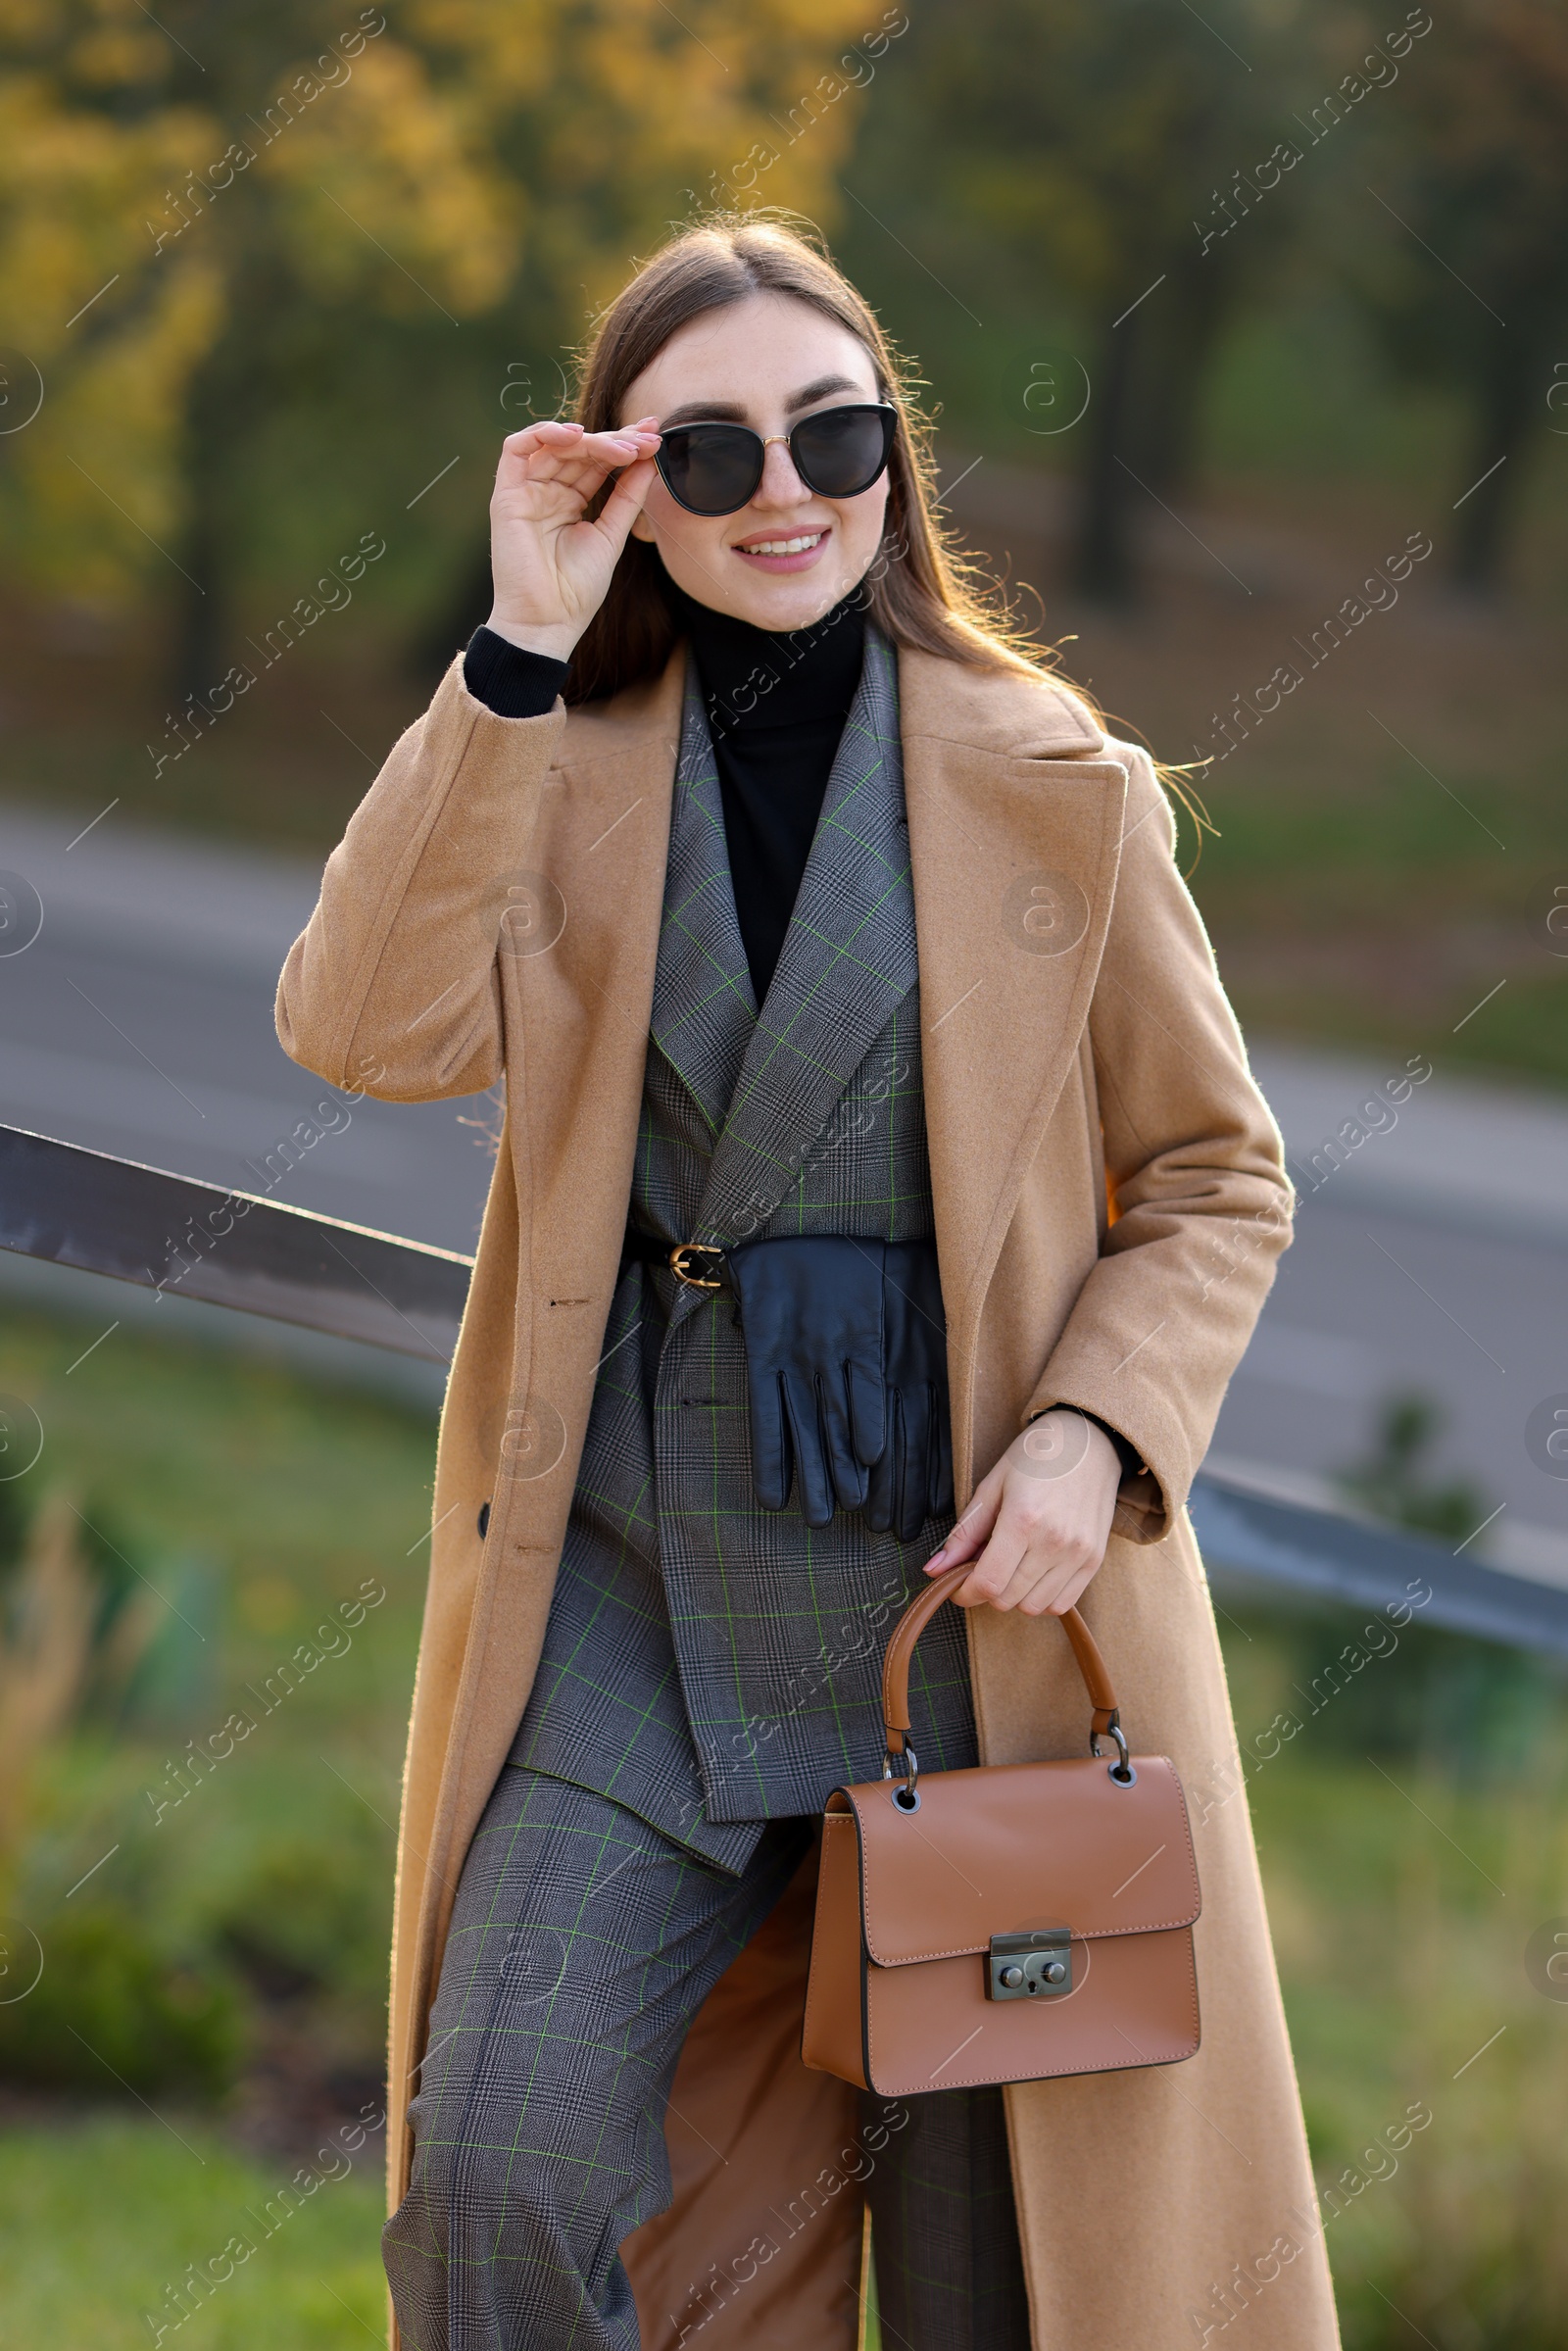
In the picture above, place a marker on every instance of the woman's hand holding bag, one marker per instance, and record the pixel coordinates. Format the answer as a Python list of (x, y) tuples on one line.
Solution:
[(1039, 1522), (1035, 1921)]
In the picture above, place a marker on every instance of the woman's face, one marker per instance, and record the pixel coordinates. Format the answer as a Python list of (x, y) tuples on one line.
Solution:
[(765, 362)]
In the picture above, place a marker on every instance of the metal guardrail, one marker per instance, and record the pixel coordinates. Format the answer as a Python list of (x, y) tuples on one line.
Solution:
[(183, 1239), (1263, 1543), (166, 1233)]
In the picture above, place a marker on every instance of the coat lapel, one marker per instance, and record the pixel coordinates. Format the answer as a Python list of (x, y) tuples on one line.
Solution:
[(1015, 838), (848, 961), (705, 1010)]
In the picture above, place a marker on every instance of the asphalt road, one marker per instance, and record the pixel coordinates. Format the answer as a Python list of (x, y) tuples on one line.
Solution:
[(1431, 1254)]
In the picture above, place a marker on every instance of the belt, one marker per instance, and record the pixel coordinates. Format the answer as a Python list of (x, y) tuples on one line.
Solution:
[(697, 1264)]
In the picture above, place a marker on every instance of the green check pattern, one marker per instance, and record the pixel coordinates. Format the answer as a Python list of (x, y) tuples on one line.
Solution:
[(582, 1943), (707, 1664)]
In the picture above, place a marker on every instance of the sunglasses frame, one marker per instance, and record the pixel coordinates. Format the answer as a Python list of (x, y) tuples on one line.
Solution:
[(877, 407)]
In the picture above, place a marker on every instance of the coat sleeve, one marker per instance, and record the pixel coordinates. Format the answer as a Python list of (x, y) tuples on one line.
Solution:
[(1200, 1202), (392, 987)]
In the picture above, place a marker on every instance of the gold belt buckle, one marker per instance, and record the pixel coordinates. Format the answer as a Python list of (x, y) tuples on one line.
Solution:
[(685, 1265)]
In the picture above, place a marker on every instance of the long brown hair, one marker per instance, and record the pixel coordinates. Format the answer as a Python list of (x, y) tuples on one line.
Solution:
[(920, 592)]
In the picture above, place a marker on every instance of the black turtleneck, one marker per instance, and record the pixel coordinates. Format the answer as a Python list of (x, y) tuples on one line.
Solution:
[(776, 707)]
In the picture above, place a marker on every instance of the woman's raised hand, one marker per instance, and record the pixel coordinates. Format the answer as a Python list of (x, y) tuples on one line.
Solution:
[(551, 566)]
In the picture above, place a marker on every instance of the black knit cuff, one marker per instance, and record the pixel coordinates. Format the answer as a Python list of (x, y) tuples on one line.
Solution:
[(1131, 1459), (509, 680)]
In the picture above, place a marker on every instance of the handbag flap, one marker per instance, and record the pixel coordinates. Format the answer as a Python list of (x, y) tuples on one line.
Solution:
[(1001, 1850)]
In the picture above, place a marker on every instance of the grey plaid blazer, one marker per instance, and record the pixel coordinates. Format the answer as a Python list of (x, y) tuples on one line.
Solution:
[(709, 1664)]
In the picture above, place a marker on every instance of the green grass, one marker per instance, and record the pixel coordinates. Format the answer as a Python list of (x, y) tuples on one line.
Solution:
[(248, 1502), (1413, 1836), (263, 1473), (102, 2218), (253, 1519), (1370, 910)]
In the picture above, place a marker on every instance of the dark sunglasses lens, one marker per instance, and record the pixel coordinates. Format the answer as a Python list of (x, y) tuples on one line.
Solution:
[(712, 468), (840, 453)]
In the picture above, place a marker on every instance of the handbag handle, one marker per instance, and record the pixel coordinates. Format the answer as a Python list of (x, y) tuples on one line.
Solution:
[(918, 1614)]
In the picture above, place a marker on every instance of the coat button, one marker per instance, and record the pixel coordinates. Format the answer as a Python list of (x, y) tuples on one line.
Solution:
[(484, 1519)]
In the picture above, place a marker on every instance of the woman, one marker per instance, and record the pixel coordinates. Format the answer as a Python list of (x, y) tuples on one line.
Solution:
[(840, 976)]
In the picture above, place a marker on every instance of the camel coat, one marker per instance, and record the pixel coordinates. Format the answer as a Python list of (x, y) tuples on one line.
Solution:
[(1109, 1200)]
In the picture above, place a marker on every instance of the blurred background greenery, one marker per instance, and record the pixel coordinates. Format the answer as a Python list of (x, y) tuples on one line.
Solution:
[(273, 280), (281, 277)]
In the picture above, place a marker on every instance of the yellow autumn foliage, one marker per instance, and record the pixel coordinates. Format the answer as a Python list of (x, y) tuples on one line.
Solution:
[(462, 157)]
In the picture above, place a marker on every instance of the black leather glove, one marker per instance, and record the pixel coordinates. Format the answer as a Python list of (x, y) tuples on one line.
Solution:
[(912, 1479), (811, 1308)]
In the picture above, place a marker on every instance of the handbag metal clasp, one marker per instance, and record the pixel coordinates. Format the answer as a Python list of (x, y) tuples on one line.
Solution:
[(1032, 1965)]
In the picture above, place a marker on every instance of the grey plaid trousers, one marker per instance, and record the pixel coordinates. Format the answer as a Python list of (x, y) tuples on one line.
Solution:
[(709, 1664), (581, 1945)]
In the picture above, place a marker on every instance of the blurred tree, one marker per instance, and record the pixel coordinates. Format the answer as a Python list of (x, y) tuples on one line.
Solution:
[(1469, 281), (1395, 1479), (93, 333), (610, 121), (234, 194), (210, 217), (1107, 152)]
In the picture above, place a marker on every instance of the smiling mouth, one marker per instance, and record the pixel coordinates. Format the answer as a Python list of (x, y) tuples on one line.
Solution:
[(800, 545)]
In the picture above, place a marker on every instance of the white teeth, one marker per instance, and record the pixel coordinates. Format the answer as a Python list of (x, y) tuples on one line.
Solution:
[(785, 546)]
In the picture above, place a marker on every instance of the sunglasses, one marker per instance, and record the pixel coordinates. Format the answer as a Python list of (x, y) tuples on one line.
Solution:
[(715, 469)]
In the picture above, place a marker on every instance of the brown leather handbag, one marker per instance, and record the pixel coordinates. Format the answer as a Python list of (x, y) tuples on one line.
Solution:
[(1005, 1924)]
